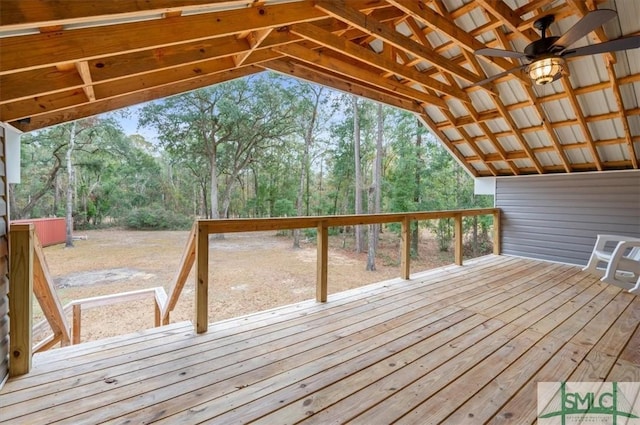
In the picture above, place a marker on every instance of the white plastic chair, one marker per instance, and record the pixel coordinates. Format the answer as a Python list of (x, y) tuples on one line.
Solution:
[(620, 256)]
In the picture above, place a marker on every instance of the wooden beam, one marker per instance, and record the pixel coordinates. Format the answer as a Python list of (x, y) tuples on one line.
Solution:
[(582, 122), (47, 296), (33, 107), (20, 298), (201, 301), (85, 74), (446, 27), (322, 60), (76, 320), (322, 248), (405, 261), (110, 104), (621, 114), (549, 128), (457, 232), (25, 14), (186, 264), (497, 233), (42, 81), (428, 122), (340, 10), (476, 150), (341, 83), (255, 39), (363, 54), (518, 135), (39, 50), (508, 17)]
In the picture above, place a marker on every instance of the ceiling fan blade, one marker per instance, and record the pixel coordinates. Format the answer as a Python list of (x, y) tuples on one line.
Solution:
[(487, 51), (584, 26), (623, 43), (501, 74)]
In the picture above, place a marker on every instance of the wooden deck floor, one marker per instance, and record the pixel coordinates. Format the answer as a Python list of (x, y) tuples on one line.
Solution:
[(458, 345)]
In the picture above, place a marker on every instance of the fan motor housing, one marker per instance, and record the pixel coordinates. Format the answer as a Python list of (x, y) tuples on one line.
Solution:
[(540, 47)]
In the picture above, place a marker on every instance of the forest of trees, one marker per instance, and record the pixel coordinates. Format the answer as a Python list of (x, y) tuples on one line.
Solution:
[(264, 146)]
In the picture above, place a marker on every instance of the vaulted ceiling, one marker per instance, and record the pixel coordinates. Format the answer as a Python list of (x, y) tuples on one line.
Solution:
[(64, 60)]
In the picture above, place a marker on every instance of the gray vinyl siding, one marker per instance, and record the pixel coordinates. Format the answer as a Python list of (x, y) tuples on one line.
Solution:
[(4, 266), (557, 217)]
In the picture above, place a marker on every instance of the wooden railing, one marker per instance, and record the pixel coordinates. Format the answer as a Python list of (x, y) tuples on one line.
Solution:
[(77, 306), (204, 228), (30, 274)]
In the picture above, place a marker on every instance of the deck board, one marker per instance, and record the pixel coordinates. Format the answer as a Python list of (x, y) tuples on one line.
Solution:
[(453, 345)]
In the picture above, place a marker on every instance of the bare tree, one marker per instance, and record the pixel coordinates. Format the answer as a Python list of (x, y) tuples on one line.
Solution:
[(309, 113), (70, 187), (358, 174), (375, 192)]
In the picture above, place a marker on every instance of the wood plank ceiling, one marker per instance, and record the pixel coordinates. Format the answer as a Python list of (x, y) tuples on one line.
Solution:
[(65, 60)]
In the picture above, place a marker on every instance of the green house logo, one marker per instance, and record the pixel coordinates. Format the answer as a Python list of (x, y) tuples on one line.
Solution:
[(611, 403)]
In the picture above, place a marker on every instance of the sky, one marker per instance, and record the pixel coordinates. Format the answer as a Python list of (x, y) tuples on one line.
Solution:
[(130, 124)]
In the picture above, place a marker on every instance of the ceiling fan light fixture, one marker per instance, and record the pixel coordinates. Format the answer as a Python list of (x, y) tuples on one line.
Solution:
[(544, 70)]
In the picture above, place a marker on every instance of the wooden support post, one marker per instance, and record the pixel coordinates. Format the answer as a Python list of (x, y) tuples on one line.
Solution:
[(46, 294), (20, 298), (497, 249), (77, 323), (458, 239), (323, 262), (160, 301), (202, 280), (158, 314), (186, 264), (405, 261)]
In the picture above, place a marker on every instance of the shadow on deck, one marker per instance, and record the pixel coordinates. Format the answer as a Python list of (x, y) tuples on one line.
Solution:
[(453, 345)]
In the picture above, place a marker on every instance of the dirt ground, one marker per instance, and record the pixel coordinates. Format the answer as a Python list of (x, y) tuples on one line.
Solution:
[(249, 272)]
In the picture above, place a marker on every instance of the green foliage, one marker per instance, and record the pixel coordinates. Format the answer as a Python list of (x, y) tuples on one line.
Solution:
[(283, 208), (255, 135), (156, 218)]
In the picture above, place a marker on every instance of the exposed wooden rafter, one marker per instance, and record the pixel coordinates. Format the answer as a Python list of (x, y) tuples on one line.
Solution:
[(67, 59)]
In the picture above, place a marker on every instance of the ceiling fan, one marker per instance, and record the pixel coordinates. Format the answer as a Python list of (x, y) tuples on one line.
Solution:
[(545, 58)]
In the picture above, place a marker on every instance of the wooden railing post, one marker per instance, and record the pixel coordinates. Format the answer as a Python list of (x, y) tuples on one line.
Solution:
[(77, 323), (323, 262), (405, 261), (47, 297), (497, 249), (202, 280), (186, 264), (20, 298), (458, 239)]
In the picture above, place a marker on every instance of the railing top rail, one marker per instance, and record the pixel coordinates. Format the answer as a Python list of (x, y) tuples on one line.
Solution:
[(103, 300), (286, 223)]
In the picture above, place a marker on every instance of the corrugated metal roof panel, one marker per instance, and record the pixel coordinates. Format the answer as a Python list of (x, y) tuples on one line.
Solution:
[(486, 146), (465, 150)]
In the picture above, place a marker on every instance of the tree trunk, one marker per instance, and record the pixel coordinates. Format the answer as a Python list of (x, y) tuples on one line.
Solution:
[(371, 253), (415, 236), (56, 196), (215, 208), (375, 194), (358, 174), (303, 188), (70, 186), (301, 185), (13, 213), (378, 171)]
